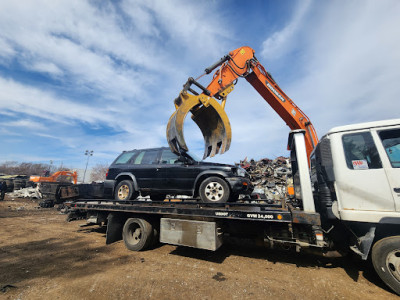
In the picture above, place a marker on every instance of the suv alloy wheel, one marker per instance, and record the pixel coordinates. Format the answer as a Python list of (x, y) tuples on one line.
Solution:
[(214, 190)]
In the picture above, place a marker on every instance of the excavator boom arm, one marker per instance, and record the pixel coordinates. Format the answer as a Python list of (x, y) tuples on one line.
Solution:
[(210, 116)]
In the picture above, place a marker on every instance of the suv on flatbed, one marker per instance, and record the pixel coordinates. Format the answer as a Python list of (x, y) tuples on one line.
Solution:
[(158, 172)]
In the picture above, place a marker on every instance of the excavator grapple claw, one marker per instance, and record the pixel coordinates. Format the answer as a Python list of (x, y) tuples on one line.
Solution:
[(211, 118)]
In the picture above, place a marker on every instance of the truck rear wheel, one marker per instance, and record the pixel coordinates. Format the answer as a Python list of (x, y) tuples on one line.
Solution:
[(214, 190), (386, 261), (137, 234)]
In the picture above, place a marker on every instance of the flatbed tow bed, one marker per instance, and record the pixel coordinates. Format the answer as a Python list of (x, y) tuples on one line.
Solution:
[(273, 222)]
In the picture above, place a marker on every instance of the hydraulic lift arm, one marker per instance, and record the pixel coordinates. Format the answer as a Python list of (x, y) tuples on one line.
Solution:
[(210, 116)]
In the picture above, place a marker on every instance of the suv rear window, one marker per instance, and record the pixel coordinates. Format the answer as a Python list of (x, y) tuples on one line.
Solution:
[(124, 157)]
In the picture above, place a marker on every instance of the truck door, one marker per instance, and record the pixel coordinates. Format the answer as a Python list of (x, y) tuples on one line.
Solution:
[(390, 142), (361, 181)]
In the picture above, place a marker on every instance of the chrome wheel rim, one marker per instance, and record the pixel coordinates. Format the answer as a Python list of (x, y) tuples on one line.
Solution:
[(214, 191), (123, 191), (393, 263)]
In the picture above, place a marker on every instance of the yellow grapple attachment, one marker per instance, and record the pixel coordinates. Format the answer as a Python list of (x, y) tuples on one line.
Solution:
[(211, 118)]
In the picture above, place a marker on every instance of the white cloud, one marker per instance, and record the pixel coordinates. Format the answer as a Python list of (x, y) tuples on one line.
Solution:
[(6, 51), (351, 73), (86, 42), (189, 25), (280, 42), (45, 67), (32, 101), (28, 124)]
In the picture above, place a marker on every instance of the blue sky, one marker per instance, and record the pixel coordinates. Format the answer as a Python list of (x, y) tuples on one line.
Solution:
[(98, 75)]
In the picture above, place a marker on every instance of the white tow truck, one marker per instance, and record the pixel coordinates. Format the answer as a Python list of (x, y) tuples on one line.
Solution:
[(348, 200)]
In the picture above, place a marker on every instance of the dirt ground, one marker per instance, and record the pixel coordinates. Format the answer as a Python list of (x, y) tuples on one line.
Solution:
[(44, 257)]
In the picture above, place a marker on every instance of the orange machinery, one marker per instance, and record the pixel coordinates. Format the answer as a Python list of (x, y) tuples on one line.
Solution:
[(211, 117), (54, 176)]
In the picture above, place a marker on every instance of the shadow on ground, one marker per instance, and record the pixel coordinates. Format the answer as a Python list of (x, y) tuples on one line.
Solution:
[(51, 258), (351, 264)]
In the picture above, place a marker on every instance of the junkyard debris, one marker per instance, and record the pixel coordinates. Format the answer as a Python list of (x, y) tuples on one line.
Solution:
[(270, 177)]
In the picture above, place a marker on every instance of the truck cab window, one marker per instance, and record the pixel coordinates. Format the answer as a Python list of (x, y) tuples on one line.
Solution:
[(360, 151), (391, 143)]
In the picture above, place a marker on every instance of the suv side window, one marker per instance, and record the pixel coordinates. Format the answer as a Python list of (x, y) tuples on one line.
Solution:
[(360, 151), (169, 158), (146, 157), (124, 158), (391, 142)]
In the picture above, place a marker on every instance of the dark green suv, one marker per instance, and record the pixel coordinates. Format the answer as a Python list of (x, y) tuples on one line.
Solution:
[(158, 172)]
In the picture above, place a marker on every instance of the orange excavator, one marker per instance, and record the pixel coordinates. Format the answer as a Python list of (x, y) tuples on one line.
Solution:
[(53, 177), (210, 115)]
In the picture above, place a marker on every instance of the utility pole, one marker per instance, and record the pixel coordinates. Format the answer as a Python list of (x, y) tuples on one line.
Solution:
[(89, 154)]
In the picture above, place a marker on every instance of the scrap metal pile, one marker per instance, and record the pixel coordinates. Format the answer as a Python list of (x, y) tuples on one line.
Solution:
[(28, 192), (269, 177)]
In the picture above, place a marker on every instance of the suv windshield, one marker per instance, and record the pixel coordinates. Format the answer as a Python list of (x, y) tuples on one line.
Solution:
[(192, 156)]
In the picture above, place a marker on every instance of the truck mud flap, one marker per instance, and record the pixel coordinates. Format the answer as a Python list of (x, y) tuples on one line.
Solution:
[(114, 228), (364, 243)]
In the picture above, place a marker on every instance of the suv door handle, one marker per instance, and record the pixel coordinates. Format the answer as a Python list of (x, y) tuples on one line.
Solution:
[(396, 190)]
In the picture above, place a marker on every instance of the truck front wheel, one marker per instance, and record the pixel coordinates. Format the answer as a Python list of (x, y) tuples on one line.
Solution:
[(386, 261), (137, 234)]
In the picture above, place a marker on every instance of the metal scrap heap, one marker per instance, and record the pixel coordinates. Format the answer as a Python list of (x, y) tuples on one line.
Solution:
[(269, 177)]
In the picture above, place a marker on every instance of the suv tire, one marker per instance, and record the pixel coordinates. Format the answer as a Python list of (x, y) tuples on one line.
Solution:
[(214, 190), (124, 191)]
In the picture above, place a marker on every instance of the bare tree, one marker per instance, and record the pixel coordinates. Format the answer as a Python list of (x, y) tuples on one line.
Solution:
[(99, 172), (27, 168), (15, 168)]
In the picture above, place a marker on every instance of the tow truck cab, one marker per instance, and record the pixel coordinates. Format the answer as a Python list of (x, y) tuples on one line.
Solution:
[(355, 177)]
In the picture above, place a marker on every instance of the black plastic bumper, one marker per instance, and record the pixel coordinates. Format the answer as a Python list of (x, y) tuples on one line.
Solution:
[(240, 185)]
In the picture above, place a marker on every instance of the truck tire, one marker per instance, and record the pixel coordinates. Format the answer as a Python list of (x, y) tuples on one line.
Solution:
[(214, 190), (137, 234), (124, 191), (386, 260)]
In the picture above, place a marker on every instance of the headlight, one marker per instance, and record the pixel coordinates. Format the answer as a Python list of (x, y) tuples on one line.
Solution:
[(240, 172)]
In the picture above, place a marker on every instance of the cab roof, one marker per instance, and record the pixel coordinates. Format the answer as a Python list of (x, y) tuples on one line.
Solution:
[(366, 125)]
